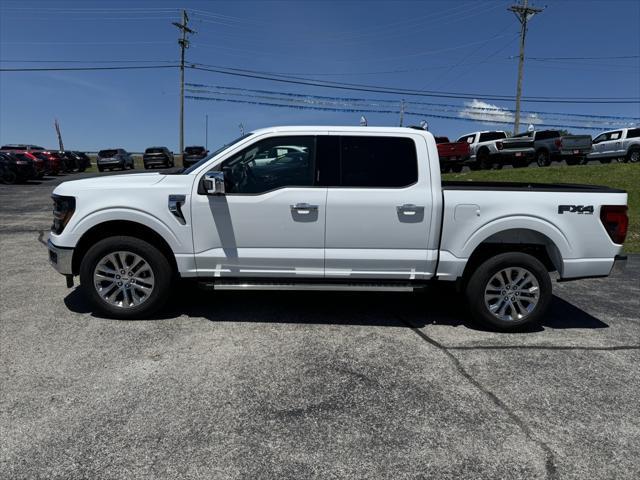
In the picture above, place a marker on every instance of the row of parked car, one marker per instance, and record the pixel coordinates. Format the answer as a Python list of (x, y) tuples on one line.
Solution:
[(23, 162), (153, 157), (19, 163), (494, 149)]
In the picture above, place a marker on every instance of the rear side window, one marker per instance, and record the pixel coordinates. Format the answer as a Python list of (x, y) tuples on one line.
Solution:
[(383, 162), (548, 134), (107, 153), (154, 150), (633, 133), (488, 136)]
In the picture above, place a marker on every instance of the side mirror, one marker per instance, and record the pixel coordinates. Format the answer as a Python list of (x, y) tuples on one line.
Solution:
[(214, 183)]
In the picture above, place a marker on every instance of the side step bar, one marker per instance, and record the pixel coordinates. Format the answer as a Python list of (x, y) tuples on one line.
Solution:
[(334, 287)]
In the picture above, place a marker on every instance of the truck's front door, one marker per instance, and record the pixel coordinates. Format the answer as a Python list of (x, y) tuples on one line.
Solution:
[(271, 219), (379, 209)]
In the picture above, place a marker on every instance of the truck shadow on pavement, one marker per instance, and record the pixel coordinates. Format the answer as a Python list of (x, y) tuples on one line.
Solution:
[(440, 306)]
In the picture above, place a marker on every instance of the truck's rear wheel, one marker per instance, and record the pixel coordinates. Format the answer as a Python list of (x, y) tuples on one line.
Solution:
[(125, 277), (509, 291), (633, 156), (542, 158)]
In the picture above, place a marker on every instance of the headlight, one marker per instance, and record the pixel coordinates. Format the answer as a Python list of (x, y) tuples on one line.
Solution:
[(63, 208)]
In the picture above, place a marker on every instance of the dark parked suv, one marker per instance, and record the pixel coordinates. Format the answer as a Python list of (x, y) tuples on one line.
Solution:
[(16, 168), (193, 155), (157, 157), (114, 158)]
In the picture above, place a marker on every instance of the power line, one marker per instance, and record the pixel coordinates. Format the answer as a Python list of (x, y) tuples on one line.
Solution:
[(401, 91), (395, 101), (359, 110), (80, 69)]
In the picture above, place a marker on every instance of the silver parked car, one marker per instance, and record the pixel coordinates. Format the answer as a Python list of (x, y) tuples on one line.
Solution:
[(114, 158)]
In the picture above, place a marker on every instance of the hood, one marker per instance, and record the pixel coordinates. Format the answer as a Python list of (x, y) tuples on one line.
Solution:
[(111, 182)]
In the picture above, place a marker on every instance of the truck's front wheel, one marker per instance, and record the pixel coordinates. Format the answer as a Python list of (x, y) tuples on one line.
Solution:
[(125, 277), (509, 291)]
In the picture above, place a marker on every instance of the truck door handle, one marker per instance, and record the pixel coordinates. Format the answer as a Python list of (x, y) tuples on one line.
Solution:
[(304, 208), (409, 209)]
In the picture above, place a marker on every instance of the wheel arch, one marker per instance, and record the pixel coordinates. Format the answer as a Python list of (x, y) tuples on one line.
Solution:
[(114, 228), (520, 239)]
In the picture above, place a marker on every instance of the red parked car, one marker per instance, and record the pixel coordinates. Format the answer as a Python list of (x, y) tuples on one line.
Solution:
[(453, 155), (53, 160)]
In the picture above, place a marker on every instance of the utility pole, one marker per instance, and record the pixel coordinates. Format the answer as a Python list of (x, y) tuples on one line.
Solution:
[(206, 131), (524, 13), (401, 111), (57, 125), (184, 44)]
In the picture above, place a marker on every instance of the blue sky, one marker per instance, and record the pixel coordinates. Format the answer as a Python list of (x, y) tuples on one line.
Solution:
[(454, 46)]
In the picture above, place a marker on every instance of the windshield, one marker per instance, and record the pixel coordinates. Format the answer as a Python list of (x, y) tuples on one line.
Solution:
[(208, 157)]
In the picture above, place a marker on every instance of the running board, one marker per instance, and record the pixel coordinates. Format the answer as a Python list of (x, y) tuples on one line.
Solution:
[(333, 287)]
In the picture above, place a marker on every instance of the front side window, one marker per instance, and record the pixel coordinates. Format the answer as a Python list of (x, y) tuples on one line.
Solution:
[(383, 162), (614, 135), (271, 164), (468, 139)]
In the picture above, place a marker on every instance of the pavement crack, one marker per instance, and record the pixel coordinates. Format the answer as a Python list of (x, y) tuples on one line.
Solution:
[(41, 237), (550, 462)]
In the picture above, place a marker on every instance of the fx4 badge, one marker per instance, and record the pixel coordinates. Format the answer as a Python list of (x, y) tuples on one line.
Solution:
[(579, 209)]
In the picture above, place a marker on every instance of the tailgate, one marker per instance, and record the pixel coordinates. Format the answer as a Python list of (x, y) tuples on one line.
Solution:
[(517, 143), (576, 142), (453, 149)]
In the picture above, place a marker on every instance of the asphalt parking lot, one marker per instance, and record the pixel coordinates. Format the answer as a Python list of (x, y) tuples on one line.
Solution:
[(307, 385)]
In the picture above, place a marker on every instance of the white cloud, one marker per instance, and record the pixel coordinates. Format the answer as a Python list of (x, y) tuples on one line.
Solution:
[(493, 114)]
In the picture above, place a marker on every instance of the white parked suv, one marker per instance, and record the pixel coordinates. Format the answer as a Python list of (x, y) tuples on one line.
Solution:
[(354, 208), (623, 144)]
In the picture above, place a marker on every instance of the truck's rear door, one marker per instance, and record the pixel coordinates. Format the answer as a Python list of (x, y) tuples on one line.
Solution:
[(379, 214)]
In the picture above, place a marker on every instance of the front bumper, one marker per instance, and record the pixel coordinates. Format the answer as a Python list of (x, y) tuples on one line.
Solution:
[(61, 258)]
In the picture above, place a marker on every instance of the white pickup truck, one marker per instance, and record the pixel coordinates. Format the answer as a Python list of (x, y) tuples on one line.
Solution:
[(623, 144), (350, 208)]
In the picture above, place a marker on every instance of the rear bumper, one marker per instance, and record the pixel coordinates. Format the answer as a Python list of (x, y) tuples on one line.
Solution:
[(619, 265), (61, 258)]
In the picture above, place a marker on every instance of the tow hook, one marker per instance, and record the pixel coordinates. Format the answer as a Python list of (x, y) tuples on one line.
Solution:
[(69, 281)]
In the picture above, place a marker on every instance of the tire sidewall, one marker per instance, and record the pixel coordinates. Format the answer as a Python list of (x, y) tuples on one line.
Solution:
[(159, 264), (478, 281)]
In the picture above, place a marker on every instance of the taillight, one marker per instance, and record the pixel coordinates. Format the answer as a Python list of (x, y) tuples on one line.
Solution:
[(558, 143), (615, 221), (499, 145)]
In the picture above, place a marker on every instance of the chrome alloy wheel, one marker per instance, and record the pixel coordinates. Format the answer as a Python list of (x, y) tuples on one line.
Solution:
[(512, 294), (123, 279)]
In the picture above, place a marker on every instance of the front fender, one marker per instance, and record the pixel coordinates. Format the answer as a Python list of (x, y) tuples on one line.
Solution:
[(76, 229)]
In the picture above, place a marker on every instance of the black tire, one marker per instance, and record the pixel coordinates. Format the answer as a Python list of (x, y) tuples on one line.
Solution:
[(100, 169), (456, 168), (633, 156), (158, 263), (479, 280), (9, 177), (542, 158), (483, 160), (445, 169)]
